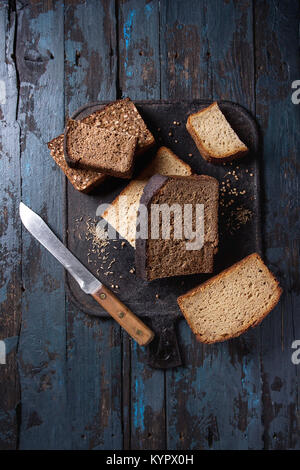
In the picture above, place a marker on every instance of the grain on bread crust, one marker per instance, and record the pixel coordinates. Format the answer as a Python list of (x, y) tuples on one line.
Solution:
[(162, 257), (94, 148), (165, 162), (238, 148), (122, 116), (231, 301), (82, 180)]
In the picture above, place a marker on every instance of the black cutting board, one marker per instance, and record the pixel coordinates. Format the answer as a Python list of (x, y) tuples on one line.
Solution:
[(239, 221)]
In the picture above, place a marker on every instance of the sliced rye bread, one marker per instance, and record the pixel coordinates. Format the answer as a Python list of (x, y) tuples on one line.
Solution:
[(82, 180), (121, 116), (157, 257), (91, 147), (216, 140), (165, 163), (230, 303)]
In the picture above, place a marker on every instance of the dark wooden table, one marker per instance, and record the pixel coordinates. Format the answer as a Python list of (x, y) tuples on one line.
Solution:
[(72, 381)]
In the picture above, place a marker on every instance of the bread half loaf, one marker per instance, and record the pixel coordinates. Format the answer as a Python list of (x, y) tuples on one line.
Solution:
[(165, 163), (174, 250)]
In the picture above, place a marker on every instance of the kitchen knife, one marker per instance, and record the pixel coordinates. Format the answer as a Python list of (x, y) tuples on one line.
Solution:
[(87, 282)]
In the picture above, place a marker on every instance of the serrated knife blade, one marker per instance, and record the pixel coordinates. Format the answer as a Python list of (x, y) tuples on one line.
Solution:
[(87, 282), (40, 230)]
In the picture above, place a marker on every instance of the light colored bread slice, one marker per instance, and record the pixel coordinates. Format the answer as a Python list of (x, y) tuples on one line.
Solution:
[(216, 140), (164, 163), (230, 303)]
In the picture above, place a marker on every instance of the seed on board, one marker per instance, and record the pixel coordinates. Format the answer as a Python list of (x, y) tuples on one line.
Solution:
[(190, 154)]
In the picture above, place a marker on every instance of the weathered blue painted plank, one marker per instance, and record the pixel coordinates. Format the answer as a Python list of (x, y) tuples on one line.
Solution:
[(277, 66), (140, 79), (10, 272), (93, 345), (139, 68), (42, 349), (214, 402)]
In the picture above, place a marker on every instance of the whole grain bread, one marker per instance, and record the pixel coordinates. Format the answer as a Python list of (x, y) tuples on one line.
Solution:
[(230, 303), (82, 180), (122, 213), (94, 148), (216, 140), (164, 255), (122, 116)]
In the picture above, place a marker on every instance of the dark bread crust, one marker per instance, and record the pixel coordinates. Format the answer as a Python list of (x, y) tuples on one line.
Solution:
[(154, 184), (218, 277), (204, 153)]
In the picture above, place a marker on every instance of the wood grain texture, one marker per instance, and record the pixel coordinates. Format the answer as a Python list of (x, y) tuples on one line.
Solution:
[(220, 406), (10, 231), (41, 355), (277, 66), (85, 385), (139, 78), (93, 346)]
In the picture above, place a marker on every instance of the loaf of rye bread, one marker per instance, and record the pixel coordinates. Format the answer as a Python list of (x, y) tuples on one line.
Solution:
[(91, 147), (162, 257), (216, 140), (165, 162), (230, 303)]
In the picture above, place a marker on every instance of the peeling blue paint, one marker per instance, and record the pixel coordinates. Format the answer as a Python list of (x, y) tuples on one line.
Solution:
[(127, 30), (148, 10), (139, 409)]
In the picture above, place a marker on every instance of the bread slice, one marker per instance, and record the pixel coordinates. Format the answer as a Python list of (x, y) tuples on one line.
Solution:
[(122, 116), (94, 148), (230, 303), (82, 180), (216, 140), (165, 163), (159, 256)]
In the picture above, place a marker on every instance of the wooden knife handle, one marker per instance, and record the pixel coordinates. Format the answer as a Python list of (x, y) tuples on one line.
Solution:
[(131, 323)]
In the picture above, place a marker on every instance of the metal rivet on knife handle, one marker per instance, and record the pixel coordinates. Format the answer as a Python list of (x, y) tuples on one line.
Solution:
[(130, 322), (90, 285)]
